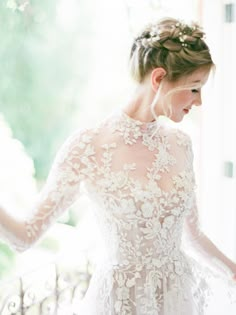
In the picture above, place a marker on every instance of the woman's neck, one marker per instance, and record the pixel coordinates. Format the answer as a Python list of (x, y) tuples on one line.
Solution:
[(138, 105)]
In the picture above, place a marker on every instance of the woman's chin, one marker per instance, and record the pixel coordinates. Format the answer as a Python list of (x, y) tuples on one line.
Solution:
[(177, 119)]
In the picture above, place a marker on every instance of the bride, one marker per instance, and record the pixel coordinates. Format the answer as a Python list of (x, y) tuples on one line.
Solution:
[(140, 174)]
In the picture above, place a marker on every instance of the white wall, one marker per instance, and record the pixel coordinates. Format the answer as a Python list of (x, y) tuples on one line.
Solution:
[(218, 130)]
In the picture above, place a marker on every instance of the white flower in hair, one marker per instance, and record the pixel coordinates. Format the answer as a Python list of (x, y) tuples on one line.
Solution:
[(155, 32), (145, 42)]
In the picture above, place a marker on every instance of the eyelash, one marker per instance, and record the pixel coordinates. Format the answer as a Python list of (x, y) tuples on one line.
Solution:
[(195, 91)]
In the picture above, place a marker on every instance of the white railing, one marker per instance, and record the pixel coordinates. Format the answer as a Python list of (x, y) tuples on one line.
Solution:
[(49, 290)]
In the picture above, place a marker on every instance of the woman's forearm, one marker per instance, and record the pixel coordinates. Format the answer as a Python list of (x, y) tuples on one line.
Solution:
[(214, 255), (13, 231)]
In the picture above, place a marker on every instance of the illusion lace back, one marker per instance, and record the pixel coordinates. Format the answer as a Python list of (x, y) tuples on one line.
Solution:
[(140, 176)]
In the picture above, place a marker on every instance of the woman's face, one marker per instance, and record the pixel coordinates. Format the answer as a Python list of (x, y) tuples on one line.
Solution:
[(182, 101)]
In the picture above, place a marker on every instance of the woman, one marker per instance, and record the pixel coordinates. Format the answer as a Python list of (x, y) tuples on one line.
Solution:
[(140, 174)]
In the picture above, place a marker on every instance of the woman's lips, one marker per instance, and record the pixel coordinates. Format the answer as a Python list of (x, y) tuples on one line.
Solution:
[(186, 110)]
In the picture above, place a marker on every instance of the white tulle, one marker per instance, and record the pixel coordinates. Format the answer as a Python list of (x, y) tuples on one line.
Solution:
[(141, 178)]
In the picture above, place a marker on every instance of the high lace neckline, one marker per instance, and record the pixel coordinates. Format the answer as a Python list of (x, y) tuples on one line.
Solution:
[(133, 130), (142, 125)]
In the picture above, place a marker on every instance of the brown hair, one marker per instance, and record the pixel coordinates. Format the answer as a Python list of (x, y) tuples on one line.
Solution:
[(177, 47)]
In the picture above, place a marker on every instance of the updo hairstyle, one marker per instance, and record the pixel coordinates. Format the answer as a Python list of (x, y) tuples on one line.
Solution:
[(177, 47)]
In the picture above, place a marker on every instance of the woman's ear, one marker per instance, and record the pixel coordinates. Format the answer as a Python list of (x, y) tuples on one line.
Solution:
[(156, 76)]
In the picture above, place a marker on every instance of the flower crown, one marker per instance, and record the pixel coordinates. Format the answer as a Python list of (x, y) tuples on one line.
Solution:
[(182, 37)]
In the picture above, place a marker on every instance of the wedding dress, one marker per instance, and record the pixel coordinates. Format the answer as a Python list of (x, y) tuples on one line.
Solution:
[(140, 176)]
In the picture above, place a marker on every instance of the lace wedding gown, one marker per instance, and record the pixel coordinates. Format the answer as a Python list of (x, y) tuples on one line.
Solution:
[(140, 176)]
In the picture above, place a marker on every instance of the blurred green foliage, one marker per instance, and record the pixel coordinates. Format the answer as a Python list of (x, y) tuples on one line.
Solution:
[(44, 63), (44, 70)]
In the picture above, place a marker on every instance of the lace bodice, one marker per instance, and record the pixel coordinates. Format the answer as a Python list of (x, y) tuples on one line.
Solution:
[(140, 209), (141, 178)]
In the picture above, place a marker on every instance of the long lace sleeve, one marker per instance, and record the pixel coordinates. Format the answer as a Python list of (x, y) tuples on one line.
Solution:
[(198, 239), (73, 163)]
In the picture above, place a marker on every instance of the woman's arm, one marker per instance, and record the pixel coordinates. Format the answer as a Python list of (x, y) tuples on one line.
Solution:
[(205, 246), (71, 165), (198, 238)]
